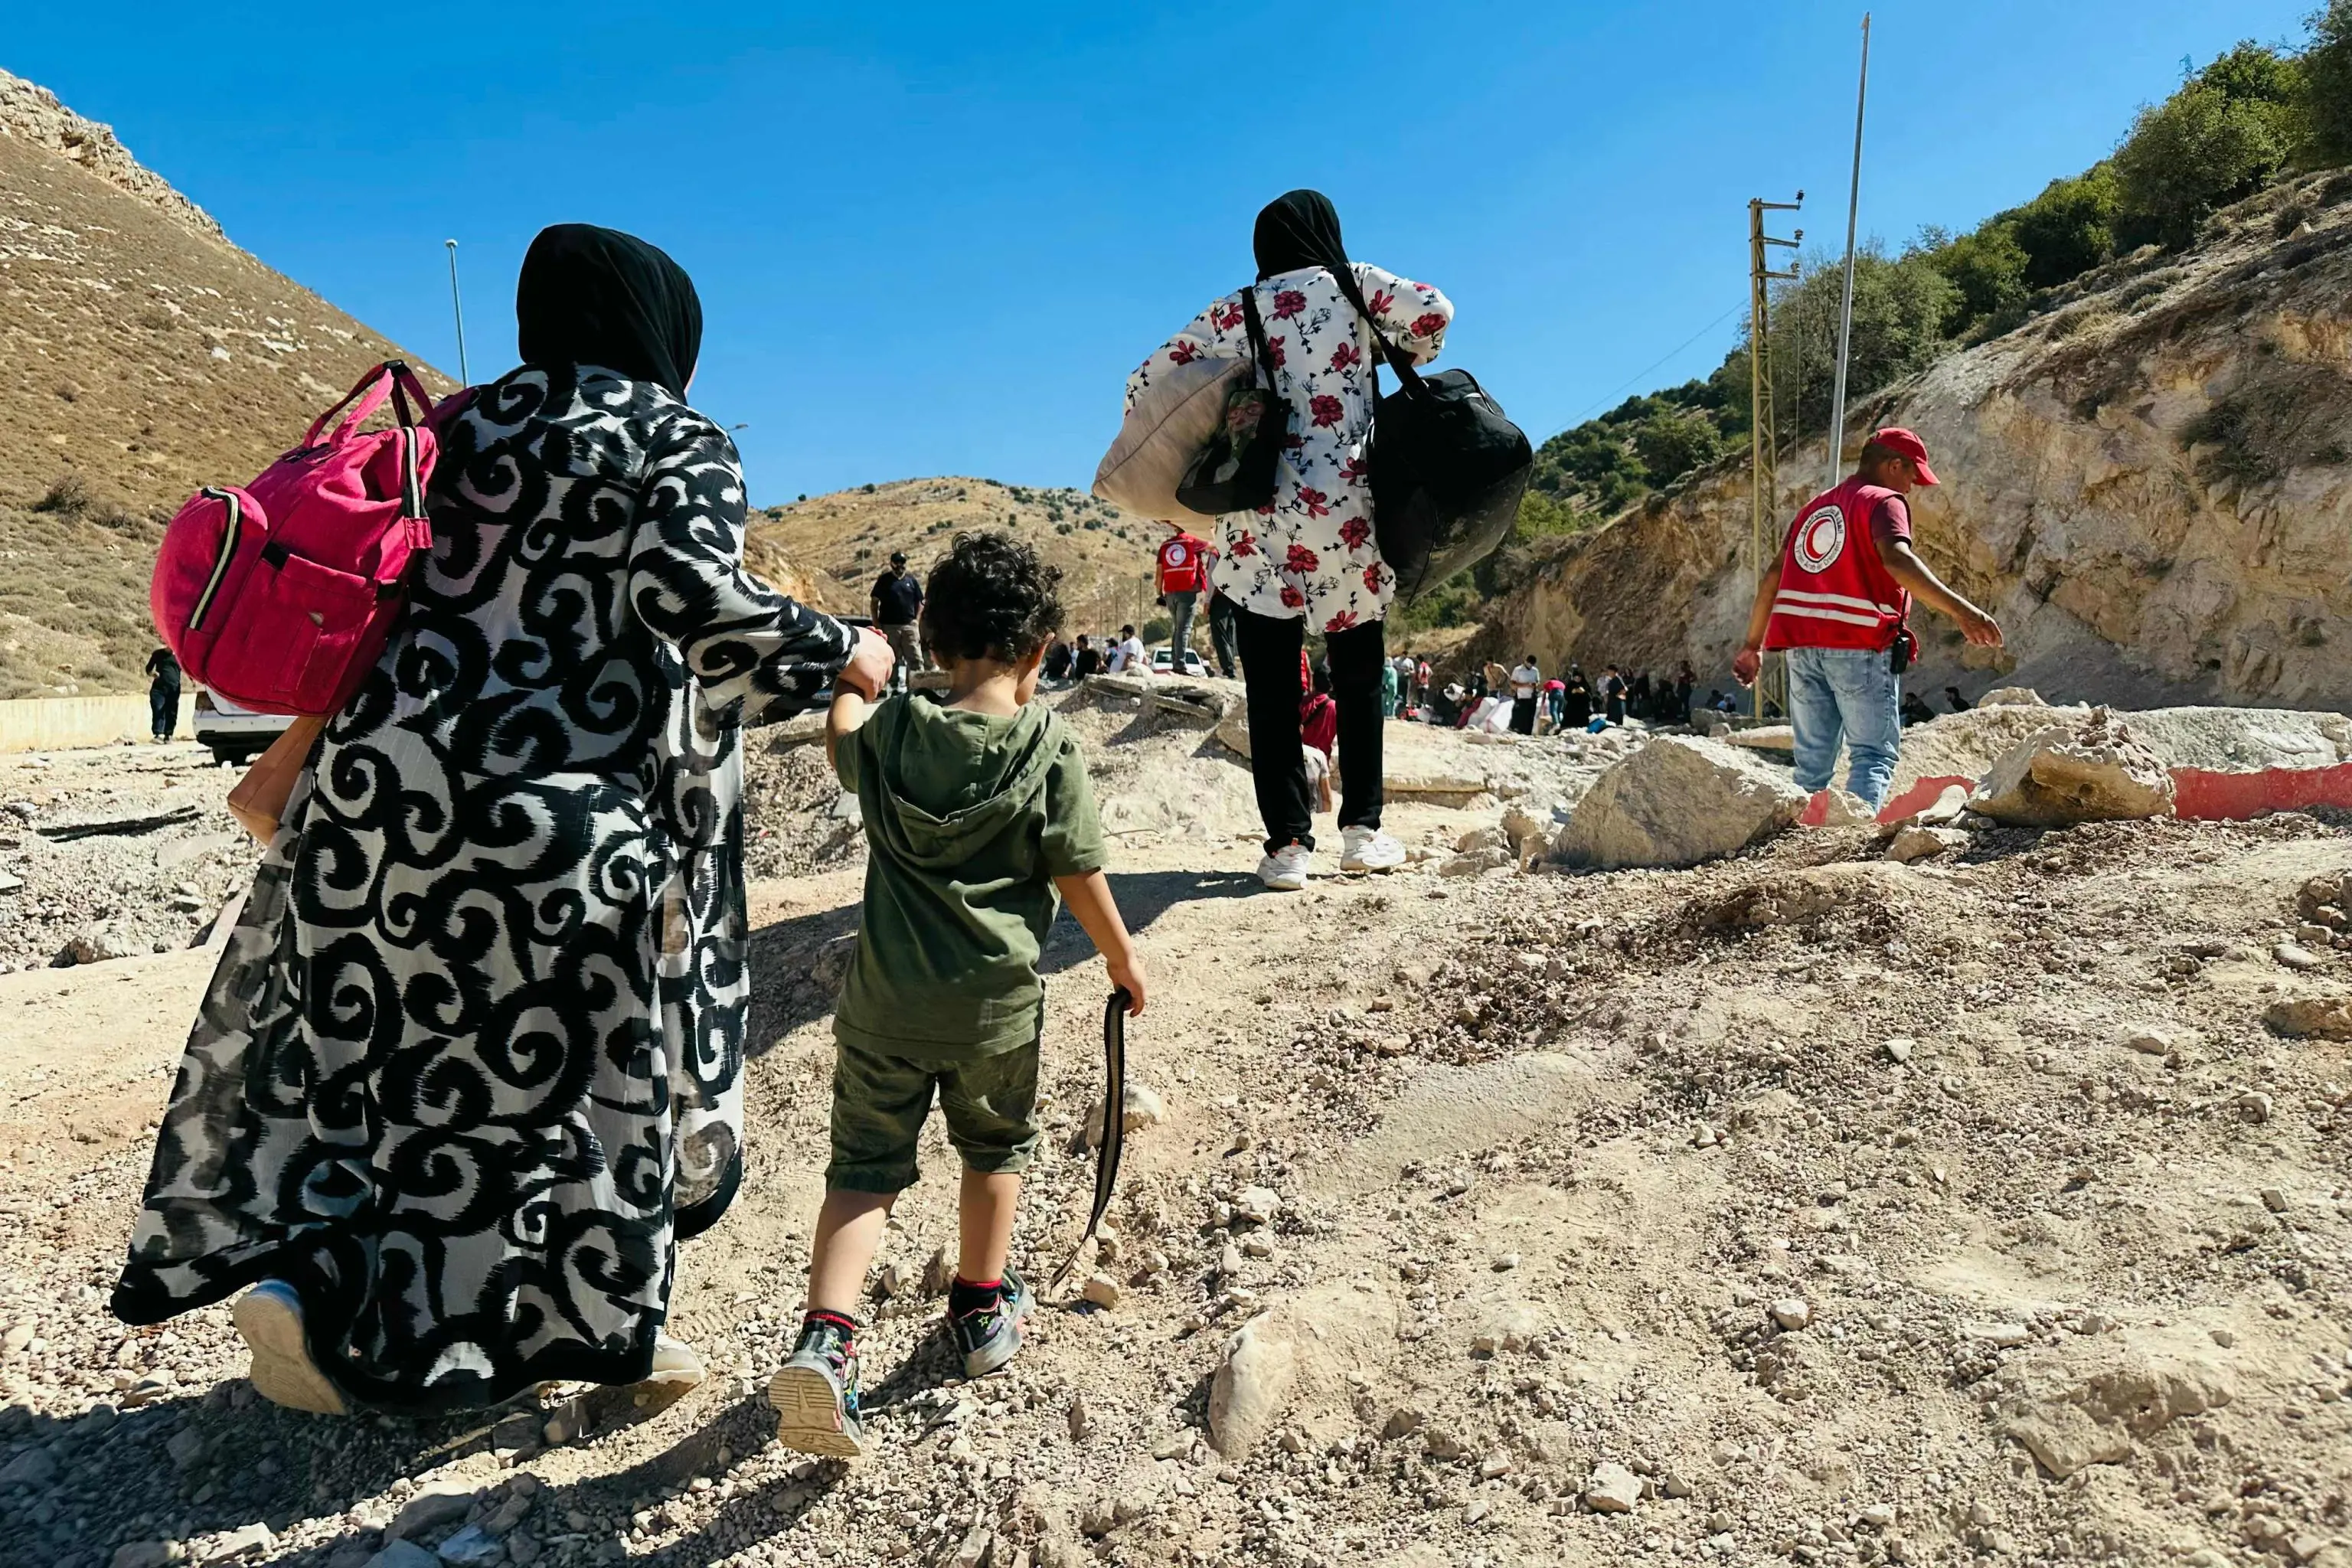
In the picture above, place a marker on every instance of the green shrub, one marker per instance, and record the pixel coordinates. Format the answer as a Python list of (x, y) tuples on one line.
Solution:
[(2069, 228), (2220, 138), (1987, 271), (1670, 444), (2327, 87)]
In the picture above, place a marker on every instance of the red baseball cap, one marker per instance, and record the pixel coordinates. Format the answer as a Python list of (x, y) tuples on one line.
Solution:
[(1903, 444)]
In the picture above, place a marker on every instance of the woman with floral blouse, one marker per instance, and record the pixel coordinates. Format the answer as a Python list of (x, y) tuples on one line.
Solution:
[(1308, 561)]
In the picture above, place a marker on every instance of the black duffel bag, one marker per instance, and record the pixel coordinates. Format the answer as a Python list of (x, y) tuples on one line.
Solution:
[(1448, 469)]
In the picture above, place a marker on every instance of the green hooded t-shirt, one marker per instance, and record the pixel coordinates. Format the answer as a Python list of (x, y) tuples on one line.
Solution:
[(969, 817)]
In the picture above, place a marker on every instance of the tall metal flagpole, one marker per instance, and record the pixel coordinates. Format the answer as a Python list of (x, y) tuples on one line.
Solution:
[(1845, 307), (458, 310)]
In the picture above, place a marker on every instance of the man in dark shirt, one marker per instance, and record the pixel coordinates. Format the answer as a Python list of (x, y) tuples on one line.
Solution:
[(897, 603), (1086, 662), (1057, 661), (163, 693)]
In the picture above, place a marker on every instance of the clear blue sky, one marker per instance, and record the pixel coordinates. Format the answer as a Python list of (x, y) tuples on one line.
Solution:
[(933, 238)]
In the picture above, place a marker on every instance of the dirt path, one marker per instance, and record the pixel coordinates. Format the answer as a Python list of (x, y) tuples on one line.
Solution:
[(1831, 1199)]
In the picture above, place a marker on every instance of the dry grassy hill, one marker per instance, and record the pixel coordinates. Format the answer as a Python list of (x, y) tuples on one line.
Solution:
[(141, 356), (1105, 554)]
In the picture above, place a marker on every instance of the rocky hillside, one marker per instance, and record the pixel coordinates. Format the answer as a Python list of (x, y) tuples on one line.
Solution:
[(141, 356), (1105, 554), (2150, 484)]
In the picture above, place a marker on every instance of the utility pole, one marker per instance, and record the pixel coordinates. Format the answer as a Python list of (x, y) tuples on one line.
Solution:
[(1763, 439), (1845, 307), (458, 310)]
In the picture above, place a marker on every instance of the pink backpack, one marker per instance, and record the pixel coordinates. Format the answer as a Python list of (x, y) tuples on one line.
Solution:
[(281, 596)]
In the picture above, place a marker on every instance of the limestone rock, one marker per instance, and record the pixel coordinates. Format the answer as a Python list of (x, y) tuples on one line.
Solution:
[(1911, 843), (1676, 802), (1142, 1108), (1531, 817), (434, 1504), (2092, 769), (2013, 696), (2065, 1438), (2311, 1017), (1257, 1205), (1611, 1488), (1252, 1384)]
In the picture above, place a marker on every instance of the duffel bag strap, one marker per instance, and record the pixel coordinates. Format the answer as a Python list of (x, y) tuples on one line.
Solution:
[(1259, 353), (1114, 1127), (1399, 361)]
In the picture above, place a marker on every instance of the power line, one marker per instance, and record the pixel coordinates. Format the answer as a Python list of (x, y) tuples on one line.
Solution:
[(1610, 397)]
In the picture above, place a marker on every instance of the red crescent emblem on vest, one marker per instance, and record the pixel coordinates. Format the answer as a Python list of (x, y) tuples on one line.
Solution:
[(1820, 538)]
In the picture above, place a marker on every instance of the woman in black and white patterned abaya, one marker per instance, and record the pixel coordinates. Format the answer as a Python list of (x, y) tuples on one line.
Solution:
[(471, 1067)]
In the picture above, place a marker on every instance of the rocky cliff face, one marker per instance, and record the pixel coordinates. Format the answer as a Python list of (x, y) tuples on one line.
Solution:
[(2150, 484), (31, 113)]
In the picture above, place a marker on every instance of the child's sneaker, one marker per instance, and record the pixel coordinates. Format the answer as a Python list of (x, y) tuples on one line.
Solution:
[(990, 1335), (269, 1317), (815, 1393)]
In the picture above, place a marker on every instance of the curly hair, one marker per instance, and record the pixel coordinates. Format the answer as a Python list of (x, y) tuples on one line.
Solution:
[(990, 597)]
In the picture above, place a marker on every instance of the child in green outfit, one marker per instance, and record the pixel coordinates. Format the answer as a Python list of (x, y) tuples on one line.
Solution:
[(979, 825)]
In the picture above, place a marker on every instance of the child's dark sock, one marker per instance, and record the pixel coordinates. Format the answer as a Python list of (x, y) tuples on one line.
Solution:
[(963, 1295), (841, 1321)]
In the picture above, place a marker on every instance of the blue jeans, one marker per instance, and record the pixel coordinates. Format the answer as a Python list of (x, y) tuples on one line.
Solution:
[(1852, 695)]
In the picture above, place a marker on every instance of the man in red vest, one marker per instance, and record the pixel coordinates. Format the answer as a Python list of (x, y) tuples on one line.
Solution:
[(1838, 601), (1183, 571)]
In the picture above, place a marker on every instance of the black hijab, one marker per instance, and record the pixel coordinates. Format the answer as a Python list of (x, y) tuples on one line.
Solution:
[(1298, 230), (596, 296)]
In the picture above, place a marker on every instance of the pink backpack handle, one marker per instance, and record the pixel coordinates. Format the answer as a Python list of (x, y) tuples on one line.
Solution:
[(391, 379)]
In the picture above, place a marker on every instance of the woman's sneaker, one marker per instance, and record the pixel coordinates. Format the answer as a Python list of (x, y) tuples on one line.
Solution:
[(988, 1336), (1369, 849), (1286, 870), (269, 1317), (815, 1393)]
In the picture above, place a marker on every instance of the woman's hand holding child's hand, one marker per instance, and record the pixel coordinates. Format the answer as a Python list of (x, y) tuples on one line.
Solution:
[(870, 663)]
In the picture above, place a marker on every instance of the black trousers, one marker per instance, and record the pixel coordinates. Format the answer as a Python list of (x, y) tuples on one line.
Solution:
[(1221, 642), (1523, 715), (1269, 649), (162, 709)]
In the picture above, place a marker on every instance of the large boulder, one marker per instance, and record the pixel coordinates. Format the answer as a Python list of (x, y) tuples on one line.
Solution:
[(2091, 769), (1676, 802)]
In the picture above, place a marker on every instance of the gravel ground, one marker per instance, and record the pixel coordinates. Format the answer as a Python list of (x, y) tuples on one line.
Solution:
[(111, 895), (1801, 1207)]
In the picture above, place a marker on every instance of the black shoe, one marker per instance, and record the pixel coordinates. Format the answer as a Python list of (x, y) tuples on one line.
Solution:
[(815, 1396), (989, 1336)]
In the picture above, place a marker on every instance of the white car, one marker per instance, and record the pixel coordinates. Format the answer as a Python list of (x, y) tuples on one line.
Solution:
[(1164, 662), (234, 734)]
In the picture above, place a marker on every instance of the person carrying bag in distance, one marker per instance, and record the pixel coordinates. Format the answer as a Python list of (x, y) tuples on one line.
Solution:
[(1304, 557)]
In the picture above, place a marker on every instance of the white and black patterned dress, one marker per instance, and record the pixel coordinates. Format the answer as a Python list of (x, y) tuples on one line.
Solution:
[(471, 1064)]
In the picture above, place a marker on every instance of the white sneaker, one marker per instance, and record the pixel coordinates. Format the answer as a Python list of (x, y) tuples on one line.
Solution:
[(1286, 870), (269, 1317), (1369, 849)]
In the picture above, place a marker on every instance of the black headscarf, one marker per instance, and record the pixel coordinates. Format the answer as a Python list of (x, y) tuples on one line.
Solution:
[(1297, 230), (596, 296)]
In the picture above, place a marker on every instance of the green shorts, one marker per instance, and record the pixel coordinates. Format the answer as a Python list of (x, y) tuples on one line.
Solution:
[(879, 1103)]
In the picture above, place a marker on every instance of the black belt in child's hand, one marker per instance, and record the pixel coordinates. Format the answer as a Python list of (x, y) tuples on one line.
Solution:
[(1114, 1127)]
